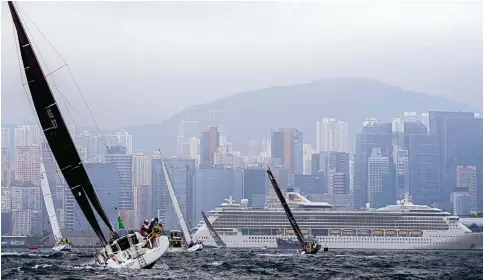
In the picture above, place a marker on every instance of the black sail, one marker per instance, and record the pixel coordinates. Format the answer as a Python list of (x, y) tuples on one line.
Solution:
[(282, 199), (213, 232), (56, 132)]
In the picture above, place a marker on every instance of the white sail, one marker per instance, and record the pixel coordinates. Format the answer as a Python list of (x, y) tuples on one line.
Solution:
[(176, 206), (49, 204)]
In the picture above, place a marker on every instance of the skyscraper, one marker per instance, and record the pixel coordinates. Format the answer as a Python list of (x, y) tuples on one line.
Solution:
[(142, 169), (401, 162), (181, 172), (461, 143), (466, 178), (126, 140), (332, 135), (212, 186), (287, 149), (106, 182), (27, 164), (424, 168), (124, 166), (380, 180), (375, 135), (209, 142), (255, 185)]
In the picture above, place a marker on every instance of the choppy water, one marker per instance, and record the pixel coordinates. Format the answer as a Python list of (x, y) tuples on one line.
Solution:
[(255, 264)]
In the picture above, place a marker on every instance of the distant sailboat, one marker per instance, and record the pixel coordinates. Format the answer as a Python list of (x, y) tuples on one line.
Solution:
[(60, 243), (306, 248), (129, 251), (191, 245), (213, 232)]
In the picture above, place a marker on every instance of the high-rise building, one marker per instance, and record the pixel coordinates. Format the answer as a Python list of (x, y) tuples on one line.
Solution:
[(6, 137), (375, 135), (5, 166), (333, 164), (466, 178), (106, 182), (461, 203), (5, 149), (142, 169), (401, 162), (287, 150), (254, 186), (27, 135), (308, 151), (126, 140), (187, 130), (124, 166), (209, 142), (212, 186), (424, 168), (21, 222), (461, 143), (27, 164), (181, 172), (309, 184), (380, 180), (143, 203), (332, 135)]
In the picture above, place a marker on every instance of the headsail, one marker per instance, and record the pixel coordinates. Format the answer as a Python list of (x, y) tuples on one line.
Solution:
[(175, 203), (213, 232), (282, 199), (56, 132), (49, 204)]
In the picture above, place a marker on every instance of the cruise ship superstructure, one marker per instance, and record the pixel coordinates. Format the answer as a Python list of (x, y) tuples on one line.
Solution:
[(400, 226)]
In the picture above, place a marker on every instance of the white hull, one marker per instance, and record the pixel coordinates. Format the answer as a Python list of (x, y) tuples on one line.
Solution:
[(145, 257), (195, 248), (62, 247), (430, 241)]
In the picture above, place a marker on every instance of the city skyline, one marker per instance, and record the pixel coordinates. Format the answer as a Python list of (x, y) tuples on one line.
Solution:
[(390, 167)]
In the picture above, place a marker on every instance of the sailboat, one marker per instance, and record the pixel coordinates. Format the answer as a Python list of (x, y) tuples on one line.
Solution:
[(60, 244), (190, 245), (213, 232), (129, 251), (306, 248)]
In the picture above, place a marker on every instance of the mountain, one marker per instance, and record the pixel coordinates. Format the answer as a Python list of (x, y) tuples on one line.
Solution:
[(252, 115)]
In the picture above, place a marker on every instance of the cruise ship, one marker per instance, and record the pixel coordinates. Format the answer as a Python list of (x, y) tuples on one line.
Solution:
[(403, 226)]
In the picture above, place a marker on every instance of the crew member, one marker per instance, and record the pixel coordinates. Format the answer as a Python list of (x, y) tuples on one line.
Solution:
[(144, 228)]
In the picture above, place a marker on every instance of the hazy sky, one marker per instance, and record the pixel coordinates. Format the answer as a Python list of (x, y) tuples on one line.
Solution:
[(141, 62)]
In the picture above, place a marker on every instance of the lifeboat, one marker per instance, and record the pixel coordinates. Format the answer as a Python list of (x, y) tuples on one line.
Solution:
[(391, 233), (348, 232), (335, 232), (417, 233), (403, 233), (364, 232), (378, 232)]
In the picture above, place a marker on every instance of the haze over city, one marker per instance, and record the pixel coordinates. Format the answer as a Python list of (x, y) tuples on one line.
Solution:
[(151, 60), (349, 131)]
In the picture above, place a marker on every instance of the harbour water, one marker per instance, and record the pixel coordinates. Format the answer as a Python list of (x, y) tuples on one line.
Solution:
[(252, 264)]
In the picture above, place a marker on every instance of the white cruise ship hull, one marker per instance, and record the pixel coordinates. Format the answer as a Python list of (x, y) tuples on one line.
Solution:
[(429, 241)]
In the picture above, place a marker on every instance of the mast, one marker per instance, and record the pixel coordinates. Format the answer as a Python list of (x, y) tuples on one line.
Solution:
[(56, 132), (282, 199), (213, 232), (49, 205), (175, 203)]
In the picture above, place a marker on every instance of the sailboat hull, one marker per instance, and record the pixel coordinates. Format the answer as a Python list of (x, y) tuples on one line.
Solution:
[(62, 247), (195, 248), (145, 260)]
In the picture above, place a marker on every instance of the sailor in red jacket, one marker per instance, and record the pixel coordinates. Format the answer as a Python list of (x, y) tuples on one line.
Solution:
[(144, 228)]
